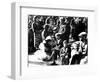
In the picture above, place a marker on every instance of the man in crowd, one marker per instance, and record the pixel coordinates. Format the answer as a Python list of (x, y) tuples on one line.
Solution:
[(56, 50), (79, 49)]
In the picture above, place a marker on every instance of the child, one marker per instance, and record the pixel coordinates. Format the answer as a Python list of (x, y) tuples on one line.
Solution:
[(64, 54)]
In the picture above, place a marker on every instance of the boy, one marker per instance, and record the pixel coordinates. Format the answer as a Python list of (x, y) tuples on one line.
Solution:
[(64, 53)]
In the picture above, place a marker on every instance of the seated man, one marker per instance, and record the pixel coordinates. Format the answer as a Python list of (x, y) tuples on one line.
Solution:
[(56, 49), (84, 45), (79, 49)]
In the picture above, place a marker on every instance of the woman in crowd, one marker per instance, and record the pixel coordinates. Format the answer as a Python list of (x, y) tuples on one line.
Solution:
[(38, 28), (48, 29)]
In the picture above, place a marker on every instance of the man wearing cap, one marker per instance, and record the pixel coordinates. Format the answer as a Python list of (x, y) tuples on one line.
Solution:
[(84, 45), (79, 49)]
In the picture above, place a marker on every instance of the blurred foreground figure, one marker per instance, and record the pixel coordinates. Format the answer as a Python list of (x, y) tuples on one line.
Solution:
[(40, 54)]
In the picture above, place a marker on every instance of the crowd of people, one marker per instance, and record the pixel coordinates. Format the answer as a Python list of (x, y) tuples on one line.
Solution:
[(63, 39)]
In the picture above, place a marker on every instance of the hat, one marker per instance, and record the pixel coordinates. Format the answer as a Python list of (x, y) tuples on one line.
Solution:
[(82, 34), (55, 28), (44, 41), (48, 38), (57, 34)]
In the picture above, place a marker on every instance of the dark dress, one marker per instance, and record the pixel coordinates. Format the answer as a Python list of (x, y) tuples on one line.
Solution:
[(38, 28), (31, 47)]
